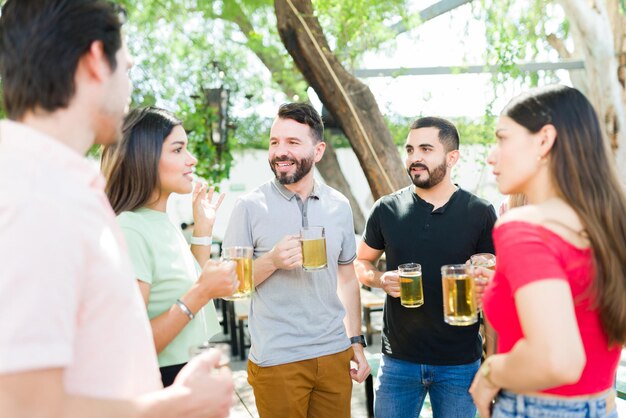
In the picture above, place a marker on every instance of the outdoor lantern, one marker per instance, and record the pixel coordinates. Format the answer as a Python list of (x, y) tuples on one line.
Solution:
[(217, 100)]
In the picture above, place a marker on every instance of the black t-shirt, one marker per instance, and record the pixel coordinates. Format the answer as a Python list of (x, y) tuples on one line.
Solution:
[(409, 231)]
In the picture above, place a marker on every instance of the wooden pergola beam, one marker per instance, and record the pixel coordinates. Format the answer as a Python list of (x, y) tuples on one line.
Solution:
[(467, 69)]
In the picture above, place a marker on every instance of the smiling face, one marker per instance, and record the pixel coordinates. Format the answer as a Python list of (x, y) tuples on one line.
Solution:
[(293, 151), (426, 158), (176, 164)]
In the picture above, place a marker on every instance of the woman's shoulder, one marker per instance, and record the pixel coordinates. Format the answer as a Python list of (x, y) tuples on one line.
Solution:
[(133, 219), (556, 218), (128, 217), (529, 214)]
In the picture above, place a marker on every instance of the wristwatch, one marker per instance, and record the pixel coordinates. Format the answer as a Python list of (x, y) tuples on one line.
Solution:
[(359, 339), (205, 241)]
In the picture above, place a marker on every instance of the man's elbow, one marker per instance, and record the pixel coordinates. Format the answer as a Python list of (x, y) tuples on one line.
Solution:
[(363, 274)]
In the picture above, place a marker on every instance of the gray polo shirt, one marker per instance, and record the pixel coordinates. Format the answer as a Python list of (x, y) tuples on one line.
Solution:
[(294, 315)]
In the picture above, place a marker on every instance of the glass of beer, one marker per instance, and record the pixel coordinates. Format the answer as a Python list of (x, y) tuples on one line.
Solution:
[(313, 244), (242, 256), (411, 292), (459, 297), (486, 260)]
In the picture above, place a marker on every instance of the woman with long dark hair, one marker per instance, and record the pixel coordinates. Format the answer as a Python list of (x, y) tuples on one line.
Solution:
[(558, 296), (151, 162)]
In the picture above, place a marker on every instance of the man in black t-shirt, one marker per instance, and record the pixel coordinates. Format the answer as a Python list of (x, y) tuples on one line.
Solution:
[(433, 223)]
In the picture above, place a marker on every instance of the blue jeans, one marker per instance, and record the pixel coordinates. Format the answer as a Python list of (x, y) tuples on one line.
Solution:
[(512, 405), (402, 386)]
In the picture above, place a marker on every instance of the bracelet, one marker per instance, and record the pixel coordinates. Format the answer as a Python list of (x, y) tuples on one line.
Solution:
[(206, 241), (185, 309)]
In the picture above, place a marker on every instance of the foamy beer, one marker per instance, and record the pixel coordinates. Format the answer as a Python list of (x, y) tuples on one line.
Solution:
[(459, 297), (411, 292), (485, 260), (313, 244), (242, 256)]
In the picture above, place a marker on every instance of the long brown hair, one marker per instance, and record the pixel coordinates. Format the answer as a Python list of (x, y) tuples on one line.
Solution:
[(586, 178), (131, 166)]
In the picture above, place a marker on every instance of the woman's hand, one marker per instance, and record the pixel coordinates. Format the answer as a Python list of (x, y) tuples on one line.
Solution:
[(481, 276), (218, 279), (483, 393), (204, 209)]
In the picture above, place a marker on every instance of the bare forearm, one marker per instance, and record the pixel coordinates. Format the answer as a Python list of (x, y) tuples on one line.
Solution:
[(511, 371), (40, 394), (170, 323), (367, 274), (349, 294), (263, 268), (202, 253), (79, 407), (160, 404)]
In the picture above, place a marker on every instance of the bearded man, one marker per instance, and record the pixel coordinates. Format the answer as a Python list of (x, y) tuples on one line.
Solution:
[(432, 222), (305, 327)]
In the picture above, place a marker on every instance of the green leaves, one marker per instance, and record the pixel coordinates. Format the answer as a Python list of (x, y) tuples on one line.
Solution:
[(357, 26)]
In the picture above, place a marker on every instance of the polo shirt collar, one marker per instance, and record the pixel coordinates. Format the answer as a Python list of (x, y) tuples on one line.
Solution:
[(288, 194), (23, 138)]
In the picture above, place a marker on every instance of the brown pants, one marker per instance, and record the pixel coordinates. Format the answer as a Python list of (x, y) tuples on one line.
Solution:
[(315, 388)]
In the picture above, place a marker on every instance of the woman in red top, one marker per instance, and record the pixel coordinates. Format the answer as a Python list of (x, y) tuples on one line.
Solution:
[(557, 299)]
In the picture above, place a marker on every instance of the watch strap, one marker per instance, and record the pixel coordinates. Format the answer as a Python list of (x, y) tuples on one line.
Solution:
[(359, 339)]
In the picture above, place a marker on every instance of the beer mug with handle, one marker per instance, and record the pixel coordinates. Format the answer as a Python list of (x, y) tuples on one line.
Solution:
[(459, 296), (313, 243), (242, 256)]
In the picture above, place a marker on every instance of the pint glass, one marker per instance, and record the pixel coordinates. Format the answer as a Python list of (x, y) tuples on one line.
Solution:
[(313, 243), (485, 260), (243, 257), (459, 298), (411, 292)]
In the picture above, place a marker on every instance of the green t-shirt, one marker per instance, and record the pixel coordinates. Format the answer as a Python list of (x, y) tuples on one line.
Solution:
[(161, 257)]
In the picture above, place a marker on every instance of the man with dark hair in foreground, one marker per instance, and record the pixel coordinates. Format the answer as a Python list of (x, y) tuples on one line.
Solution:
[(74, 336)]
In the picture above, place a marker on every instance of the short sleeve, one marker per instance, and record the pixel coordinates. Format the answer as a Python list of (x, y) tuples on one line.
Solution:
[(372, 235), (348, 244), (526, 254), (140, 255), (238, 231)]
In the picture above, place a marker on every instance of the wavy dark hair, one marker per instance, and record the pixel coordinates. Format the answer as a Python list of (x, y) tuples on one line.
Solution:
[(131, 167), (586, 178)]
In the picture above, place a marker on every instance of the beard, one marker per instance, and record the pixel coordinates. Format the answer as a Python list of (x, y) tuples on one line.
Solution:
[(303, 167), (434, 177)]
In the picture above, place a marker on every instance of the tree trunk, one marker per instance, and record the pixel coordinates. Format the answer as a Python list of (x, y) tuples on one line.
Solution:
[(351, 102), (330, 169), (591, 26)]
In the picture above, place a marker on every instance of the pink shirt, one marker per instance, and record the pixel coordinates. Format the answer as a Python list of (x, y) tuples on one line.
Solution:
[(68, 297)]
